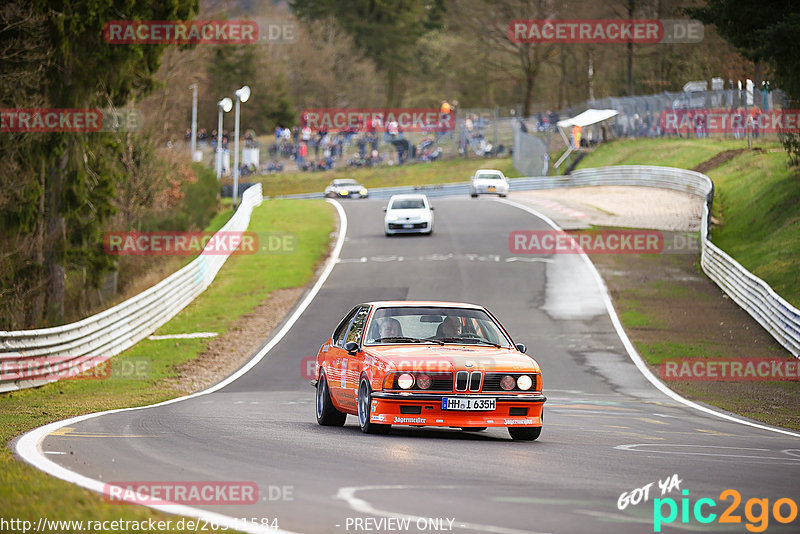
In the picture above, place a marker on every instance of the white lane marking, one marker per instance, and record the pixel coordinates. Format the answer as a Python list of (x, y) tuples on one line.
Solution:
[(634, 448), (29, 445), (634, 355), (348, 494), (54, 452), (184, 336), (529, 260), (445, 257)]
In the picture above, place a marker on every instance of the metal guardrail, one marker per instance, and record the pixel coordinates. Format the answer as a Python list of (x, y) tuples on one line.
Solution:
[(34, 357)]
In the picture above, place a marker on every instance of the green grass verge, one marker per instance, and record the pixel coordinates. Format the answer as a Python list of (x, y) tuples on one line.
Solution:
[(438, 172), (664, 152), (758, 203), (242, 283)]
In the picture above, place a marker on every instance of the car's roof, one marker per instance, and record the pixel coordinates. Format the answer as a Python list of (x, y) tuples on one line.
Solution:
[(488, 171), (408, 196), (420, 303)]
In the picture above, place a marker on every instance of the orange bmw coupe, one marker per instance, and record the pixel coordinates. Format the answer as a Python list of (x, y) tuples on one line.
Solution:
[(419, 363)]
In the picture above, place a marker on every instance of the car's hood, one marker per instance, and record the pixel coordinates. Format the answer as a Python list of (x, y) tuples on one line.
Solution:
[(429, 357), (410, 213)]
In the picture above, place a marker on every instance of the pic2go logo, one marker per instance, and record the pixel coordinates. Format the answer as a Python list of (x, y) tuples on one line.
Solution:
[(758, 522)]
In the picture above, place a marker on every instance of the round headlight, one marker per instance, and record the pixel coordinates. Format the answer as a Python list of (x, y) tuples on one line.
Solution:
[(424, 381), (524, 382), (364, 192), (405, 381), (507, 382)]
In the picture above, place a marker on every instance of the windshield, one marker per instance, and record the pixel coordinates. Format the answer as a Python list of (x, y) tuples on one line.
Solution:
[(408, 204), (345, 182), (434, 324)]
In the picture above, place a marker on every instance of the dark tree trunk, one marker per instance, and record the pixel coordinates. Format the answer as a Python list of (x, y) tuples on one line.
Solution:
[(54, 241)]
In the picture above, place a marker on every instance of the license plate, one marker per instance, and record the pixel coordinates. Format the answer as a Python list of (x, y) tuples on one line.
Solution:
[(471, 405), (492, 188), (408, 226)]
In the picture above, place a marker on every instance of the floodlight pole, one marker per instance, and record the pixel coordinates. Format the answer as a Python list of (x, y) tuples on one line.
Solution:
[(219, 142), (236, 155), (242, 95), (222, 106)]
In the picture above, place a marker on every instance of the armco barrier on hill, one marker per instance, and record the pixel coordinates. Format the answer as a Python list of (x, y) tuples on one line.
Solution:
[(34, 357)]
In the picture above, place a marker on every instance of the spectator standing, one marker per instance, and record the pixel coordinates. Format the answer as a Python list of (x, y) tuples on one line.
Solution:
[(301, 155)]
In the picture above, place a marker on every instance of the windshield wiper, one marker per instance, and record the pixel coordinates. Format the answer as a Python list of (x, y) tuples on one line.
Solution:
[(403, 339), (468, 341)]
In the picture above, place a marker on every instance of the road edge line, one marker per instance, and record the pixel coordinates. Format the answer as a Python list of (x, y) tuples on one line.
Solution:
[(28, 446)]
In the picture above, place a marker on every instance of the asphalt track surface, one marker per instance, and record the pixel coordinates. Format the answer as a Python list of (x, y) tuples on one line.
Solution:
[(607, 430)]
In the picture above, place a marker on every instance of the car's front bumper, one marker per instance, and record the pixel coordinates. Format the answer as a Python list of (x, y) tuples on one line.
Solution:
[(417, 227), (401, 409)]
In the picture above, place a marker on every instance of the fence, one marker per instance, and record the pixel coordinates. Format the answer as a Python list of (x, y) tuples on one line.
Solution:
[(642, 116), (34, 357)]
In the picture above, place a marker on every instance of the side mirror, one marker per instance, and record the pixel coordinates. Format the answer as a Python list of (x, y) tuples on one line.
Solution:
[(432, 208), (351, 347), (384, 209), (520, 347)]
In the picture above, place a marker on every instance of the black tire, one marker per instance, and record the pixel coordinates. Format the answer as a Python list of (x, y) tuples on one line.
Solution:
[(473, 428), (474, 195), (364, 394), (327, 414), (524, 433), (502, 196)]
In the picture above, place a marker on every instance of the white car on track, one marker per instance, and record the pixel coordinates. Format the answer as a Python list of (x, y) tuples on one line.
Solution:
[(488, 182), (406, 214)]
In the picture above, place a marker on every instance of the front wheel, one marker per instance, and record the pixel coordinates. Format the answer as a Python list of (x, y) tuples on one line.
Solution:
[(524, 433), (364, 393), (327, 414)]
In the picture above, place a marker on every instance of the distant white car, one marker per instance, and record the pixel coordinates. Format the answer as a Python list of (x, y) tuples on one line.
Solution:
[(346, 188), (407, 214), (488, 182)]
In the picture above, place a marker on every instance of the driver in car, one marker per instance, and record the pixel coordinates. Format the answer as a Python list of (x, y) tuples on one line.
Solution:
[(450, 327), (390, 327)]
